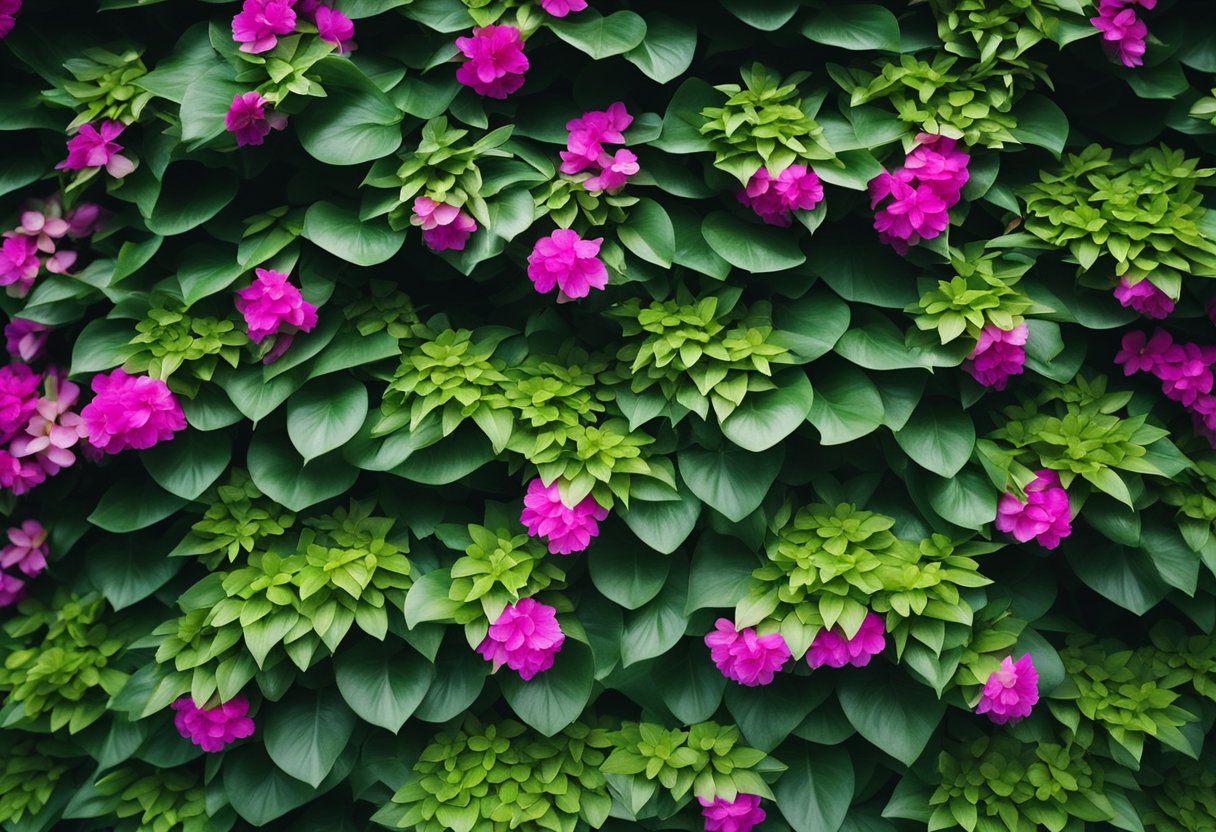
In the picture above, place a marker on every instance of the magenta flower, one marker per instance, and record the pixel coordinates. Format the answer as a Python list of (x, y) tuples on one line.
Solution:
[(525, 637), (1141, 355), (95, 148), (1011, 692), (1123, 33), (130, 412), (1044, 516), (1185, 371), (998, 354), (213, 728), (913, 214), (565, 529), (25, 339), (272, 305), (561, 8), (84, 219), (772, 199), (248, 118), (937, 161), (496, 62), (444, 227), (18, 398), (12, 588), (19, 264), (8, 15), (614, 172), (19, 475), (54, 429), (921, 192), (738, 815), (26, 550), (259, 22), (1144, 297), (799, 188), (745, 657), (335, 27), (830, 647), (589, 133), (565, 260)]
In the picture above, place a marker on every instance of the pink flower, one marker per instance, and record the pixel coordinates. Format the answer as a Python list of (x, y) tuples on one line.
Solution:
[(213, 728), (335, 27), (794, 189), (18, 398), (8, 14), (525, 637), (444, 226), (26, 550), (258, 23), (84, 219), (12, 588), (614, 172), (745, 657), (937, 161), (1204, 411), (1140, 355), (998, 354), (799, 188), (19, 475), (130, 412), (95, 148), (248, 119), (54, 429), (589, 133), (830, 647), (1044, 516), (914, 214), (1144, 297), (496, 62), (565, 529), (19, 264), (1122, 32), (921, 192), (25, 339), (561, 8), (738, 815), (1185, 371), (1011, 692), (565, 260), (271, 303)]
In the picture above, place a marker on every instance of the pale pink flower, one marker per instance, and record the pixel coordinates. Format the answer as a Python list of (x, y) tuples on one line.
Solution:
[(614, 171), (335, 27), (745, 657), (561, 8), (1043, 516), (443, 226), (26, 550), (131, 412), (8, 14), (249, 119), (94, 147), (12, 588), (259, 22), (1011, 692), (26, 339), (830, 647), (271, 305), (589, 133), (19, 263), (18, 398), (213, 728), (496, 62), (565, 529), (998, 354), (525, 637), (54, 429), (738, 815), (1144, 297), (565, 260)]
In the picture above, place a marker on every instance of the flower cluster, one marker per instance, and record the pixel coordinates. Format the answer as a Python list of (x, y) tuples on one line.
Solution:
[(524, 637), (738, 815), (444, 226), (496, 63), (565, 529), (130, 412), (1144, 297), (249, 119), (93, 148), (567, 261), (921, 192), (1184, 370), (585, 149), (213, 728), (998, 354), (273, 306), (561, 8), (1010, 692), (833, 648), (773, 198), (37, 241), (744, 656), (1044, 516), (1122, 32), (26, 553), (259, 23), (38, 426)]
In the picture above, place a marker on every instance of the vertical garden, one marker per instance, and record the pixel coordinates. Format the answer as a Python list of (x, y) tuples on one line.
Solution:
[(487, 415)]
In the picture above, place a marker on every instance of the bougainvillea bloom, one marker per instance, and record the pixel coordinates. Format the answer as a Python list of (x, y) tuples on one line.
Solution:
[(19, 263), (8, 14), (561, 8), (745, 657), (12, 588), (334, 27), (524, 637), (131, 412), (565, 529), (213, 728), (259, 22), (271, 304), (1141, 354), (738, 815), (1144, 297), (18, 398), (443, 226), (25, 339), (249, 119), (1011, 692), (614, 172), (1123, 32), (589, 133), (830, 647), (1043, 516), (1185, 371), (94, 147), (773, 198), (565, 260), (496, 62), (998, 354), (26, 550)]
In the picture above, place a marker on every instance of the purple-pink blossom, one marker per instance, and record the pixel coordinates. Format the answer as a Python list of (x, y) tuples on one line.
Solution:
[(561, 8), (585, 149), (1042, 516), (249, 119), (920, 193), (130, 412), (1011, 692), (25, 339), (26, 550), (334, 27), (19, 475), (54, 429), (744, 656), (832, 648), (18, 398), (444, 226), (1144, 297), (12, 588), (19, 263), (565, 260), (524, 637), (1141, 354), (797, 188), (211, 729), (1185, 371), (614, 171), (272, 305), (738, 815), (565, 529), (496, 63), (95, 147), (8, 19), (998, 354), (1123, 33), (259, 23), (938, 160)]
